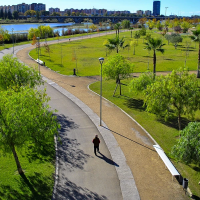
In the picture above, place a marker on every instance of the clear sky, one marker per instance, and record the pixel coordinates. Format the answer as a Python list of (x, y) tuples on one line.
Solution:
[(178, 7)]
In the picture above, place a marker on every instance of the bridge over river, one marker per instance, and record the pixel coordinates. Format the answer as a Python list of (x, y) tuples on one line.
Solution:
[(97, 19)]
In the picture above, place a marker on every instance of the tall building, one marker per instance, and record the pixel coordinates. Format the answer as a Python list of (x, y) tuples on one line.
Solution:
[(156, 8), (38, 6)]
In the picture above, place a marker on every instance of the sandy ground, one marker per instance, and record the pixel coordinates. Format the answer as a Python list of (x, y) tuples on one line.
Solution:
[(152, 179)]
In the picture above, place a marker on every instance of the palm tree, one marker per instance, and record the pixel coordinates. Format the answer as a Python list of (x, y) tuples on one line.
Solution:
[(116, 43), (155, 45), (117, 27), (137, 36), (196, 38)]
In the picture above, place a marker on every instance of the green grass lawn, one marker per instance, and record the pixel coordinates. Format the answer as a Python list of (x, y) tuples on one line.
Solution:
[(85, 53), (37, 181), (165, 133)]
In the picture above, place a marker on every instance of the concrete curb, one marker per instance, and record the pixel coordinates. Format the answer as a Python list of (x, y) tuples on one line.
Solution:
[(127, 182)]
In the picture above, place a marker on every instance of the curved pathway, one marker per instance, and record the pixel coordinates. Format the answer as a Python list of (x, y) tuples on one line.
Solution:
[(152, 179)]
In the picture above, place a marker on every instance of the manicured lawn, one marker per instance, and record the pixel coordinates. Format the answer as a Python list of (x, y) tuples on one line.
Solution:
[(38, 180), (165, 133), (86, 53)]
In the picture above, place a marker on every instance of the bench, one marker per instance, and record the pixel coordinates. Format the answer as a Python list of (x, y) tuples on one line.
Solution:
[(167, 162), (39, 61)]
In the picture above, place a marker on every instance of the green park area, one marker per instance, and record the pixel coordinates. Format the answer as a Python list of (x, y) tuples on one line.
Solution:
[(38, 164), (83, 56)]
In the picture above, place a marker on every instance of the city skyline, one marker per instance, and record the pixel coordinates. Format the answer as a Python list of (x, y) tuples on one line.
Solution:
[(185, 8)]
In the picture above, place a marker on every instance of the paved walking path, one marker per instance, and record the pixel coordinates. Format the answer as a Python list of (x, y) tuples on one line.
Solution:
[(153, 181)]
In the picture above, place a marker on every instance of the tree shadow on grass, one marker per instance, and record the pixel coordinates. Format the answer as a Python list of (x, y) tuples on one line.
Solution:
[(173, 122), (135, 104), (35, 187), (71, 191)]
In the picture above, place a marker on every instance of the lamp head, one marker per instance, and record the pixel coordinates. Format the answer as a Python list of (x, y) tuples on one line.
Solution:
[(101, 60)]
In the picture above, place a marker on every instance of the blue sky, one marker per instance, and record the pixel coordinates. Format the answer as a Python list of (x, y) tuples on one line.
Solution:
[(178, 7)]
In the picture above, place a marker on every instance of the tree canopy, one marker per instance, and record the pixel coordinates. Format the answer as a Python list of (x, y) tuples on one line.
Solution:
[(176, 94), (15, 74), (116, 43), (155, 45), (188, 147), (117, 67), (24, 118)]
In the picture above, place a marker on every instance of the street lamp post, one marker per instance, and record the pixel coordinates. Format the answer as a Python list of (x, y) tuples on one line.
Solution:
[(13, 40), (165, 12), (101, 62), (38, 46)]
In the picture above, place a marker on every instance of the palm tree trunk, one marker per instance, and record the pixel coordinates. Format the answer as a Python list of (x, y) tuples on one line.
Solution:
[(198, 73), (19, 168), (154, 62)]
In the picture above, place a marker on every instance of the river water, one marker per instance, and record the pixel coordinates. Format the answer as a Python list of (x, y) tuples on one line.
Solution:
[(23, 28)]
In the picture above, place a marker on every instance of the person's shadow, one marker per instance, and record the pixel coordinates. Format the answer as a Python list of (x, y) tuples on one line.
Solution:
[(109, 161)]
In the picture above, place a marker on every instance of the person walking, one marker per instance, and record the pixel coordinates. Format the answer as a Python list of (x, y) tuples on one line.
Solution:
[(96, 142)]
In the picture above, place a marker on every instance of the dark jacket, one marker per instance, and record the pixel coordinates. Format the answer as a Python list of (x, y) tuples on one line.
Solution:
[(96, 141)]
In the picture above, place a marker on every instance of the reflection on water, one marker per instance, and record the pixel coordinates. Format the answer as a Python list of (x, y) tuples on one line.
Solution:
[(23, 28)]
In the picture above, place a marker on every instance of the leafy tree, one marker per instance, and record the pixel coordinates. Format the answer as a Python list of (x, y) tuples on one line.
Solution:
[(9, 14), (188, 147), (143, 33), (126, 24), (134, 44), (155, 45), (93, 27), (175, 38), (41, 31), (30, 13), (15, 15), (116, 44), (1, 13), (185, 25), (44, 13), (159, 26), (167, 37), (117, 68), (15, 74), (5, 14), (177, 29), (5, 35), (141, 83), (137, 35), (25, 118), (37, 15), (196, 38), (175, 94), (142, 21)]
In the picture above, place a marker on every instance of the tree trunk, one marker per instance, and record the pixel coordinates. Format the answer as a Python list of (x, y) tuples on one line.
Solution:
[(120, 89), (134, 50), (117, 50), (116, 32), (198, 72), (179, 122), (19, 168), (154, 62), (131, 34)]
